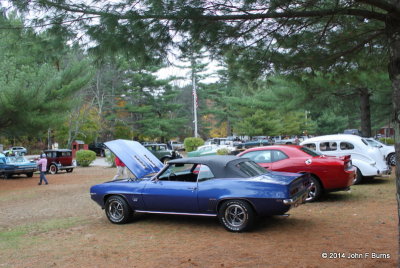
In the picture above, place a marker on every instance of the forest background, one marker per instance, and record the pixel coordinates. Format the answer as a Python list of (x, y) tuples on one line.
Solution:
[(97, 77)]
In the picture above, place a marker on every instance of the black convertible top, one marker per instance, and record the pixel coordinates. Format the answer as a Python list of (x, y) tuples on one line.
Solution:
[(222, 166)]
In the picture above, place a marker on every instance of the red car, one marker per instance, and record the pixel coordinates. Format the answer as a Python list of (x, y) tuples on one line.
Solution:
[(59, 159), (328, 173)]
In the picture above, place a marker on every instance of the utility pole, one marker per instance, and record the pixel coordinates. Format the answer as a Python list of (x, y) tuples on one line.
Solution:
[(194, 92)]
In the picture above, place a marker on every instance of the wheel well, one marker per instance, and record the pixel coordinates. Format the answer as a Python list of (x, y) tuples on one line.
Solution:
[(108, 195), (241, 199)]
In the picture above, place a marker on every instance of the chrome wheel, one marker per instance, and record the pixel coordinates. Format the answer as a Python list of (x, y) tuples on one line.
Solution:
[(118, 210), (115, 210), (236, 215), (315, 190)]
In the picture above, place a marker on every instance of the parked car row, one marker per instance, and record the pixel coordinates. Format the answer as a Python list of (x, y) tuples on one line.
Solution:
[(261, 181), (233, 189), (327, 173), (368, 160)]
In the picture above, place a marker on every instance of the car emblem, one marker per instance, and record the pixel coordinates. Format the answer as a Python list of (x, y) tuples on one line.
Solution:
[(308, 162)]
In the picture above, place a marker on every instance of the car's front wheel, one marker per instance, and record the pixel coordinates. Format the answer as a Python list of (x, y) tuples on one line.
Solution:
[(392, 159), (315, 190), (236, 215), (53, 169), (117, 210), (29, 175)]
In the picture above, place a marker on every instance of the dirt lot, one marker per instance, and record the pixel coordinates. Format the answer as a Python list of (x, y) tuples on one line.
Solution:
[(59, 226)]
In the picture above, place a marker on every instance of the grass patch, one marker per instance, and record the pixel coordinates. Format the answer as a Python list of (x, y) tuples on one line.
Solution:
[(11, 196), (22, 235)]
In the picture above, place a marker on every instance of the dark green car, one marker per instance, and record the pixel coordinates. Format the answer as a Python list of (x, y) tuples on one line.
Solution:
[(161, 151)]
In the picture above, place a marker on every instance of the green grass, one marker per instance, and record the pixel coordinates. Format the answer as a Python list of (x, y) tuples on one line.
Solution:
[(26, 234)]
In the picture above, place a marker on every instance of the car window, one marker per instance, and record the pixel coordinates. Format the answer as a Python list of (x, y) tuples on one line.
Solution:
[(259, 156), (311, 146), (66, 153), (204, 174), (309, 151), (251, 169), (278, 155), (346, 146), (162, 148), (179, 172), (328, 146)]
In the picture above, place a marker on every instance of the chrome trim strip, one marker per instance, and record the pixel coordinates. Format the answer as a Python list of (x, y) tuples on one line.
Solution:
[(176, 213)]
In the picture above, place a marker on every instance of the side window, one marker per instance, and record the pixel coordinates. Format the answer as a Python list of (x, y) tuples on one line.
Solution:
[(279, 155), (259, 156), (311, 146), (346, 146), (204, 173), (179, 172), (328, 146)]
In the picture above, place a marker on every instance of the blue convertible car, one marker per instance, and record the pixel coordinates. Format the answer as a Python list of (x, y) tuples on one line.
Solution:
[(234, 189)]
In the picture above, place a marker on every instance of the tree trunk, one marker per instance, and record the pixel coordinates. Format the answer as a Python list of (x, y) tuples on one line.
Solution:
[(393, 32), (365, 112)]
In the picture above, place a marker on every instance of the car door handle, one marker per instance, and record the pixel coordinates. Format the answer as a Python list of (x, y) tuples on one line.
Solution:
[(192, 188)]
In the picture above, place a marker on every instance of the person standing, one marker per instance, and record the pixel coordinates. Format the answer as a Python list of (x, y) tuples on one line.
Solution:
[(121, 169), (42, 166)]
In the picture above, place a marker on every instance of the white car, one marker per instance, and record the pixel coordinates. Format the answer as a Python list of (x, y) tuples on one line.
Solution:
[(368, 160), (387, 150)]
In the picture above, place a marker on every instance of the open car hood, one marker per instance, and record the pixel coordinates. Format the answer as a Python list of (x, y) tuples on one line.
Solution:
[(140, 161)]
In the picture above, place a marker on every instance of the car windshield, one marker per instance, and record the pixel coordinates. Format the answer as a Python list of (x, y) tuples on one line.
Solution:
[(16, 159), (251, 169), (309, 151)]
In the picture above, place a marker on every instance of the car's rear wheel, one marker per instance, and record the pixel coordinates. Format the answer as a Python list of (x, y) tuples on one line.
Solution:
[(315, 190), (117, 210), (392, 159), (53, 169), (69, 170), (358, 177), (236, 215), (29, 175)]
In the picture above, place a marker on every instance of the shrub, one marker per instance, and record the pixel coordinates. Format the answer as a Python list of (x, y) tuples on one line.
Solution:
[(85, 157), (223, 151), (192, 143), (388, 141)]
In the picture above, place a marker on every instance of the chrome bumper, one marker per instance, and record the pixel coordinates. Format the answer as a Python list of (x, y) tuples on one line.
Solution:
[(297, 200)]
